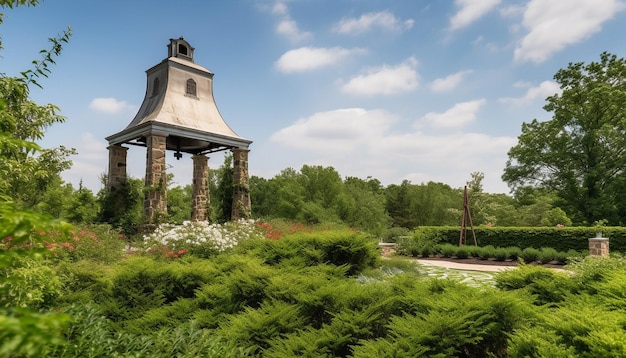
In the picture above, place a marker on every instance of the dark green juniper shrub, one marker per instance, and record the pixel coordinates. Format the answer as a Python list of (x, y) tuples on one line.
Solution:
[(486, 252), (546, 255), (447, 250), (500, 254), (530, 255), (463, 322), (545, 285), (474, 251), (514, 252), (462, 252)]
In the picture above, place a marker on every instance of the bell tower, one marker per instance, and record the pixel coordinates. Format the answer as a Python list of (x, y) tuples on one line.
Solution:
[(179, 114)]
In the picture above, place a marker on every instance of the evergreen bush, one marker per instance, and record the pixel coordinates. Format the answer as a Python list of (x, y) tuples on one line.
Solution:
[(530, 254)]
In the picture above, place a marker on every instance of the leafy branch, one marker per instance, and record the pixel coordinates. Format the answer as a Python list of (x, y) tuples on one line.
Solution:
[(41, 67)]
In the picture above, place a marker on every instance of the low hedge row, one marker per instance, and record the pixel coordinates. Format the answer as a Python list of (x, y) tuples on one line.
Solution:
[(561, 239)]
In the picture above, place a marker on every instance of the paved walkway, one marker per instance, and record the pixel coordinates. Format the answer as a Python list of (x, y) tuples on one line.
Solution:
[(462, 266), (473, 267)]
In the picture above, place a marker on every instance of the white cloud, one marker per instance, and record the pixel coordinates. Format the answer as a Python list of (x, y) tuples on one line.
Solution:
[(335, 130), (545, 89), (280, 8), (457, 116), (110, 105), (311, 58), (552, 25), (91, 161), (383, 19), (449, 82), (286, 26), (289, 28), (385, 80), (361, 143), (470, 11)]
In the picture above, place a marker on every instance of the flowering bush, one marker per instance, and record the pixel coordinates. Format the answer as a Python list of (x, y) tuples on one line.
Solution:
[(73, 243), (199, 238)]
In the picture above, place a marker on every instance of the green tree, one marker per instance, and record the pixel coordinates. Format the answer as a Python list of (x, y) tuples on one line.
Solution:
[(432, 203), (24, 171), (179, 203), (581, 152), (221, 189), (123, 208), (363, 205)]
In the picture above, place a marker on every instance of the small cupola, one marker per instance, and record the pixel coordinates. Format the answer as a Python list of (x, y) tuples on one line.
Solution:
[(180, 48)]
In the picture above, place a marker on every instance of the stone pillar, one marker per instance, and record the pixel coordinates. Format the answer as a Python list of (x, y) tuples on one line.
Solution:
[(117, 167), (200, 195), (241, 188), (155, 201), (599, 246)]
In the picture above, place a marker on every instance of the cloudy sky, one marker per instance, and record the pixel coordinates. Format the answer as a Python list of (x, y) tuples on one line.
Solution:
[(390, 89)]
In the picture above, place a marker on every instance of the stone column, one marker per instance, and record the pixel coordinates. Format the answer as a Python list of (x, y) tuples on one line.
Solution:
[(241, 188), (155, 201), (599, 246), (117, 167), (200, 195)]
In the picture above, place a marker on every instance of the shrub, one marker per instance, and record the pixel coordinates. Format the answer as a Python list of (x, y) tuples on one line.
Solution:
[(33, 284), (462, 322), (396, 234), (462, 252), (427, 251), (547, 286), (530, 254), (448, 250), (257, 328), (337, 247), (486, 252), (514, 252), (199, 238), (501, 254), (546, 254), (474, 251)]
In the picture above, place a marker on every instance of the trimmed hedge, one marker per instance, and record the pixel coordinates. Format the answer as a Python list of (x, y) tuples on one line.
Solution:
[(561, 239)]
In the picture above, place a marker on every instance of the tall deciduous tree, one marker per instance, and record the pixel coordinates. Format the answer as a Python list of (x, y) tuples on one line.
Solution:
[(26, 170), (581, 152)]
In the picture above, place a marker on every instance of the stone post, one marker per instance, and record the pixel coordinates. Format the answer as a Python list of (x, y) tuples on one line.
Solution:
[(599, 246), (117, 167), (241, 188), (155, 201), (200, 195)]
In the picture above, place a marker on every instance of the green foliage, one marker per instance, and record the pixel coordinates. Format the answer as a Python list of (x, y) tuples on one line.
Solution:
[(560, 238), (26, 283), (259, 327), (546, 286), (458, 321), (221, 189), (577, 152), (348, 248), (123, 207), (411, 205), (31, 284), (530, 255), (241, 284), (178, 203)]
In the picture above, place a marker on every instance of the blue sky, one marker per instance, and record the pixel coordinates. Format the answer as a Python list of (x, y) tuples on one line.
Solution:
[(391, 89)]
